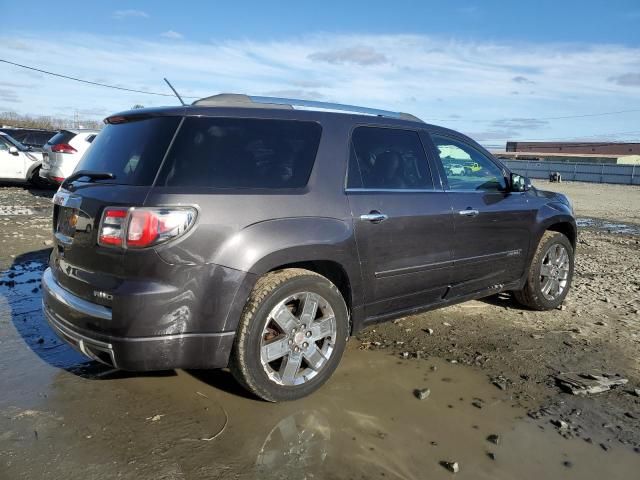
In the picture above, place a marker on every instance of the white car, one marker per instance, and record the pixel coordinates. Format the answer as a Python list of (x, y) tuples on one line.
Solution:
[(456, 169), (62, 153), (18, 162)]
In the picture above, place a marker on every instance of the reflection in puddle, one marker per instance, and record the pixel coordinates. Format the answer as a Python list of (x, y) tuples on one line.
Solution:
[(64, 417), (298, 444), (21, 305)]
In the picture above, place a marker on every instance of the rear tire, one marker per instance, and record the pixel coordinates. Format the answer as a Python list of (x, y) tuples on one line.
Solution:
[(37, 181), (550, 273), (291, 336)]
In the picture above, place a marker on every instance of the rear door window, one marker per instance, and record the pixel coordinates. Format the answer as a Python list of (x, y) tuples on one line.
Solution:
[(388, 159), (131, 151), (241, 153)]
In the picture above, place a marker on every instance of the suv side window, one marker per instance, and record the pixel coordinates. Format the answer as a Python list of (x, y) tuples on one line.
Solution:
[(241, 153), (467, 168), (388, 159)]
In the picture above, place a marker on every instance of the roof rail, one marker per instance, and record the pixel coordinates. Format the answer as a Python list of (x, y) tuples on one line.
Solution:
[(249, 101)]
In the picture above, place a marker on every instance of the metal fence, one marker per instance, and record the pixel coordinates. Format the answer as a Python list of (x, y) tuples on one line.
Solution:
[(578, 172)]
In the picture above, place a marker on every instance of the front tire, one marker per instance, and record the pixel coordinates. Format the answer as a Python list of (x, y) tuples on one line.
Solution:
[(550, 273), (291, 336)]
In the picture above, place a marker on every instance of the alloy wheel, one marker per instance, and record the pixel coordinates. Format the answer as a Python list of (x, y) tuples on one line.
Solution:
[(554, 271), (298, 338)]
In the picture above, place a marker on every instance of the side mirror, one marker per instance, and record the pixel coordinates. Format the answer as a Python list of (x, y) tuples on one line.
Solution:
[(520, 183), (13, 150)]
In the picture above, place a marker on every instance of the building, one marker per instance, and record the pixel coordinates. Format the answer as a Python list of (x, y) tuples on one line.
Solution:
[(590, 148)]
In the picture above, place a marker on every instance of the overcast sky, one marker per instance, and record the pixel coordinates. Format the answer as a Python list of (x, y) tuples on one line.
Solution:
[(491, 70)]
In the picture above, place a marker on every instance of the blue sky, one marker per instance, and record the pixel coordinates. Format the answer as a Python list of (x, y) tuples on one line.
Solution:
[(494, 70)]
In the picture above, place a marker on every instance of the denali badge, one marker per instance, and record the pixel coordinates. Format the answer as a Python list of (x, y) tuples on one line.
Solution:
[(102, 295)]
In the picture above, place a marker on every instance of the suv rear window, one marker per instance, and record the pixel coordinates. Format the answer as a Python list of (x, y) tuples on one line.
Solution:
[(63, 136), (241, 153), (131, 151)]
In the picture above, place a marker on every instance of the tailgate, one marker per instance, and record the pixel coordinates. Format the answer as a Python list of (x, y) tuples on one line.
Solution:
[(78, 263)]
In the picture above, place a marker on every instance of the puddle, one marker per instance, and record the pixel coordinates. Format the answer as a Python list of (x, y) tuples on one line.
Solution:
[(609, 227), (21, 309), (16, 210), (64, 417)]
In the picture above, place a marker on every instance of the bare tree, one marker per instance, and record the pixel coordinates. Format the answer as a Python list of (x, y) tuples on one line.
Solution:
[(14, 119)]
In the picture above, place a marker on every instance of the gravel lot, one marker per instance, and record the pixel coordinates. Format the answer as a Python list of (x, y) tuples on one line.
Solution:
[(494, 405), (618, 203)]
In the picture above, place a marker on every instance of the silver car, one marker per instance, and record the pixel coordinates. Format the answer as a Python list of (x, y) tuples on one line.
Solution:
[(62, 153)]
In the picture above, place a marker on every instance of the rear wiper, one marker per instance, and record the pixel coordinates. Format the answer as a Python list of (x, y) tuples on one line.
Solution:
[(93, 175)]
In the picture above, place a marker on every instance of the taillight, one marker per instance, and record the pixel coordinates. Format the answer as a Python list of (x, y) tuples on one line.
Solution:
[(112, 227), (63, 148), (143, 227)]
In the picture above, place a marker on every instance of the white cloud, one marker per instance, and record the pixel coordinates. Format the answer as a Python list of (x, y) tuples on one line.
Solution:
[(121, 14), (522, 80), (627, 79), (358, 55), (172, 34), (432, 78)]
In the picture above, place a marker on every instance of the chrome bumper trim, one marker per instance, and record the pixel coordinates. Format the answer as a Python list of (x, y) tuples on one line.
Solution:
[(72, 301), (86, 345)]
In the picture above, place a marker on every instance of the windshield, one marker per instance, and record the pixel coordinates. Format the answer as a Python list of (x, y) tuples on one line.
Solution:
[(15, 143)]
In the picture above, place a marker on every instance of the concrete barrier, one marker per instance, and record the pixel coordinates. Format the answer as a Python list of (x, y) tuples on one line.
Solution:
[(577, 172)]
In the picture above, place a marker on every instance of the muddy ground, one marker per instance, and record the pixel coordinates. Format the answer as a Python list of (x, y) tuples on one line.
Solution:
[(489, 365)]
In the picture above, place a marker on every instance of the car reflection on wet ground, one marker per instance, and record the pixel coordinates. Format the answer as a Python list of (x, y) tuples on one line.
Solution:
[(63, 416)]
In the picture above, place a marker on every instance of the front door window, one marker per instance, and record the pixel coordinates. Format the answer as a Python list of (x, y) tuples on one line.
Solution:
[(467, 168)]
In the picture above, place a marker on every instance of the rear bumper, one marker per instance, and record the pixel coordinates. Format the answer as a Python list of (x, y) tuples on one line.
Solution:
[(163, 352), (52, 174)]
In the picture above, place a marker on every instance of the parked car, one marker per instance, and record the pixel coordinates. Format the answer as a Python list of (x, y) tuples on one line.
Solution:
[(62, 153), (18, 162), (260, 233), (456, 169), (30, 137), (471, 168)]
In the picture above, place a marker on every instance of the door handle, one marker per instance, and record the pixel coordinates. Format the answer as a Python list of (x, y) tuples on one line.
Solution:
[(374, 217), (469, 212)]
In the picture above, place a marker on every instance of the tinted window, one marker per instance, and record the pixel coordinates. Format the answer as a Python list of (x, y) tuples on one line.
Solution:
[(354, 178), (40, 138), (241, 153), (389, 159), (18, 135), (467, 168), (131, 151), (63, 136), (29, 137)]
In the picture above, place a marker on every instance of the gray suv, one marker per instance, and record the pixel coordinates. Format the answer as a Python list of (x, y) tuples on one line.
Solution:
[(260, 233)]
